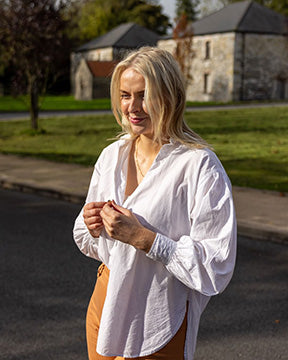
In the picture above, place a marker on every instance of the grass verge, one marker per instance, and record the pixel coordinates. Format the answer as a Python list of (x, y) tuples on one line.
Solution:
[(20, 103), (251, 143), (12, 104)]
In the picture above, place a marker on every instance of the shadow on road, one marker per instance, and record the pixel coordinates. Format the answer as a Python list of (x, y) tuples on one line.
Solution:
[(46, 284)]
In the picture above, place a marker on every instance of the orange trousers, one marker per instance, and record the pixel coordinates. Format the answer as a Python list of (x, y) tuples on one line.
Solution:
[(174, 350)]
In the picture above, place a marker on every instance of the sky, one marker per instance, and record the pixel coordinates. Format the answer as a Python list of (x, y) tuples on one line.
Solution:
[(168, 7)]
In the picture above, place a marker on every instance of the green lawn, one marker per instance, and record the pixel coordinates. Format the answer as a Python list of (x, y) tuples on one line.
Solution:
[(9, 103), (12, 104), (67, 102), (251, 143)]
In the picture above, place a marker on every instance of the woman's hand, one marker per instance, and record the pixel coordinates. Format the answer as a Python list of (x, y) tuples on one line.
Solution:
[(92, 218), (121, 224)]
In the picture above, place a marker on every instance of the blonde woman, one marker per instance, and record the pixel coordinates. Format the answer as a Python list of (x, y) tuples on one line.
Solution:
[(167, 240)]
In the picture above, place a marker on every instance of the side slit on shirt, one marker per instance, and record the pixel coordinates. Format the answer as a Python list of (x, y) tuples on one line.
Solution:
[(174, 350)]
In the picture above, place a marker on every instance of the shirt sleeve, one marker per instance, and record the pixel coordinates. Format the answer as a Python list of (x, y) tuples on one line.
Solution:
[(204, 260), (86, 243)]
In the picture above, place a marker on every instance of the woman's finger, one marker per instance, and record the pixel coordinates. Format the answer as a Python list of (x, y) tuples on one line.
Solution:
[(93, 219), (91, 213), (120, 209)]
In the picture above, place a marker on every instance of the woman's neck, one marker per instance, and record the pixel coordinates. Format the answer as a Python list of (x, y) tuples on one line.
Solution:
[(147, 146)]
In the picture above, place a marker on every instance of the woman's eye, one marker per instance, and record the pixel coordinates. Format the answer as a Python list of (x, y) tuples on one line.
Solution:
[(124, 96)]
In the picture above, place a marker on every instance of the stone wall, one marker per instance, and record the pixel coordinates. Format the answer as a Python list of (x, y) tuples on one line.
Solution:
[(226, 67), (105, 54), (261, 67), (212, 67), (88, 87), (83, 82)]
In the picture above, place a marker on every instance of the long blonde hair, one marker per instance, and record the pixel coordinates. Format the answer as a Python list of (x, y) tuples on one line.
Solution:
[(164, 96)]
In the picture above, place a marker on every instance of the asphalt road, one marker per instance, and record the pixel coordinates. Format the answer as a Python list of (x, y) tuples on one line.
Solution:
[(46, 284)]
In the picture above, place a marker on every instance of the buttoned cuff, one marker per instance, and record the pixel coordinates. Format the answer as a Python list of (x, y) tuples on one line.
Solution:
[(162, 249)]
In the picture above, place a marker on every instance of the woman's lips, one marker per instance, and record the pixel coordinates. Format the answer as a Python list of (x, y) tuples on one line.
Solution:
[(136, 120)]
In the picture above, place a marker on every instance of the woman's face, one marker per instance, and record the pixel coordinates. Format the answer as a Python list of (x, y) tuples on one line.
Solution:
[(132, 87)]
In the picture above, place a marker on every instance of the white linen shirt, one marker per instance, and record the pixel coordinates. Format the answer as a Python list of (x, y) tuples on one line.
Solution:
[(185, 198)]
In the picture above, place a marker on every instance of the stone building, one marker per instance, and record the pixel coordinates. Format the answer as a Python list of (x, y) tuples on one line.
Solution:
[(241, 53), (92, 64), (92, 79)]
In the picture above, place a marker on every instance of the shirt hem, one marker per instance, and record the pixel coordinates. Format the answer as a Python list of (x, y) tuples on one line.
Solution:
[(158, 348)]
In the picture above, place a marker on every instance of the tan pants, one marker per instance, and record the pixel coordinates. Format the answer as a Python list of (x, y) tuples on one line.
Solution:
[(174, 350)]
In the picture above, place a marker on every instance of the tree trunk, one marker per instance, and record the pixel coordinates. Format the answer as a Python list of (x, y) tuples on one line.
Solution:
[(34, 105)]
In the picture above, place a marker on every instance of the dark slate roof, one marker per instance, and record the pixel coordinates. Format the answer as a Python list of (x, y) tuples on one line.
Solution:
[(244, 16), (128, 35), (260, 19)]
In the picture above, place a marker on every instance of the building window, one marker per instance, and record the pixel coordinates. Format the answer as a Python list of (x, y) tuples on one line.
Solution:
[(206, 83), (280, 88), (207, 50)]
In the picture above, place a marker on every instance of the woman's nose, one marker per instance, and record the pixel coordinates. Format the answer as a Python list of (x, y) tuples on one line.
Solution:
[(135, 105)]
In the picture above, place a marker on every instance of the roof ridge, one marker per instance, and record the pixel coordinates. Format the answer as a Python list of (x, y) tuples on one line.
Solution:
[(105, 36), (132, 24), (224, 9), (250, 2), (211, 14)]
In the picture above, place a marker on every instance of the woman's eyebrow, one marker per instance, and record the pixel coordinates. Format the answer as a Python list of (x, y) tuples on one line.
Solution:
[(127, 92), (142, 92)]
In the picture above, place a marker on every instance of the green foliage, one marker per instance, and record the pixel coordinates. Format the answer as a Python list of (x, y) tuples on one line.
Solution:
[(12, 104), (95, 20), (150, 17), (33, 40), (251, 143), (188, 8), (97, 17), (280, 6)]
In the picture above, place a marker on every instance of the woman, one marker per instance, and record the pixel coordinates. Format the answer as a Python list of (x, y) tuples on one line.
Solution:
[(167, 241)]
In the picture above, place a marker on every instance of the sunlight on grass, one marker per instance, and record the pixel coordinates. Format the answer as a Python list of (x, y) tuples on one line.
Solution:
[(20, 103), (251, 143)]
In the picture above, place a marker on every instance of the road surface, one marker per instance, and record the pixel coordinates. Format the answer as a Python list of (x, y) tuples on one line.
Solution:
[(46, 284)]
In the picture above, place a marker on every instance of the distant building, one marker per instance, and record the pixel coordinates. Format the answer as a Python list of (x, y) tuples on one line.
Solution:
[(92, 79), (241, 53), (92, 64)]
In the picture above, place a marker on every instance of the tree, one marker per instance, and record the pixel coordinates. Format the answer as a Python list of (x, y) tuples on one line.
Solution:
[(97, 17), (149, 16), (184, 53), (280, 6), (187, 8), (33, 40), (207, 7), (94, 19)]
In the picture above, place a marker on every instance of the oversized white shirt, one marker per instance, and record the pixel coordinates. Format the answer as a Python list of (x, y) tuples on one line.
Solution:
[(186, 199)]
